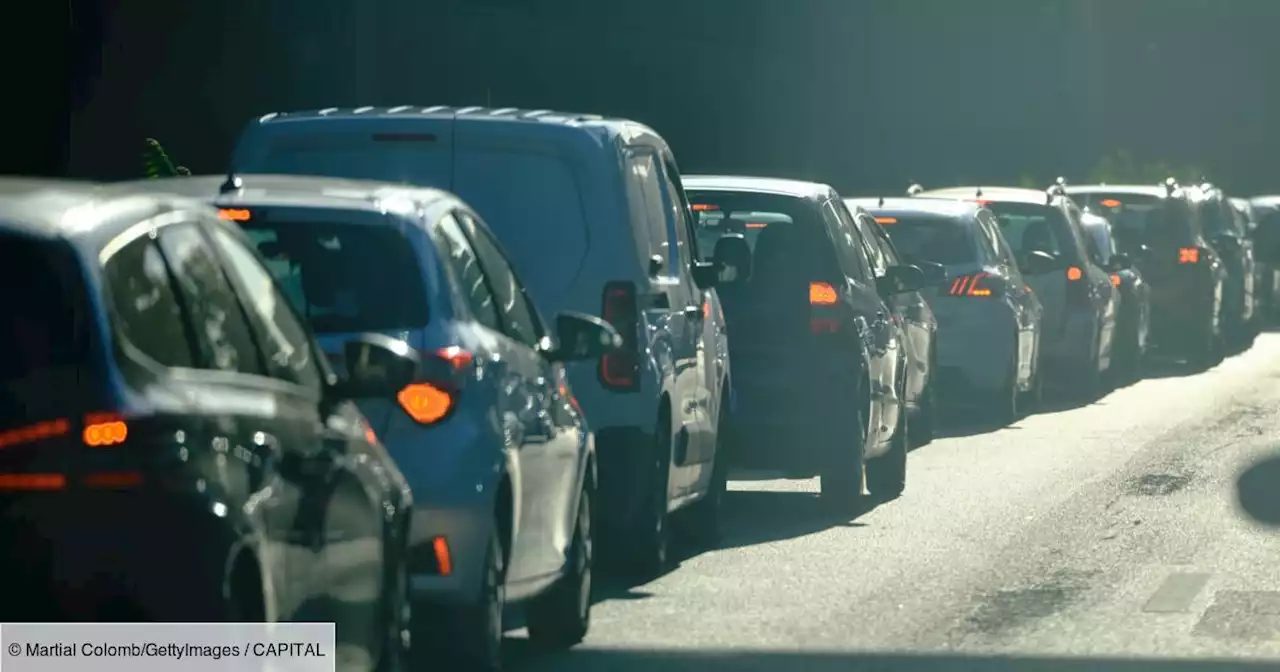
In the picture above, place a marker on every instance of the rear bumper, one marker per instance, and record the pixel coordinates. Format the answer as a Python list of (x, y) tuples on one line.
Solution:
[(799, 446), (1075, 347), (975, 352)]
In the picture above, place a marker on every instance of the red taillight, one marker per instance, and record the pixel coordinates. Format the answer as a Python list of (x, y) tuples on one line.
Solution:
[(978, 284), (1077, 289), (1189, 255), (822, 294), (1074, 273), (620, 369), (1115, 279), (433, 397), (103, 430)]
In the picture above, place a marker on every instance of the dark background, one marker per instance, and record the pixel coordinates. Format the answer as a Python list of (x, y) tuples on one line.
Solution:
[(864, 94)]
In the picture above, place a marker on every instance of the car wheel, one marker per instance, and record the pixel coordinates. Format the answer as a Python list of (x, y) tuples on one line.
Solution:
[(397, 642), (561, 617), (887, 474), (841, 477), (469, 638), (1005, 407), (646, 551), (923, 428), (1090, 383)]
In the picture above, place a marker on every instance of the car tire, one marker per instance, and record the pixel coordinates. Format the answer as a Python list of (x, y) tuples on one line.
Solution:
[(469, 638), (841, 476), (560, 618), (646, 550), (887, 474), (1089, 386), (1005, 408), (397, 642), (925, 423)]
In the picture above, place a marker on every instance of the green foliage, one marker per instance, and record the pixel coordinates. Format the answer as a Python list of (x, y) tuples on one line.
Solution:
[(156, 162), (1121, 167)]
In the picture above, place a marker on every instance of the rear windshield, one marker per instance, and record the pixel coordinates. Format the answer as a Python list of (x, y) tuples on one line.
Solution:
[(1029, 227), (1218, 217), (942, 240), (344, 277), (787, 236), (531, 199), (44, 337), (1139, 220)]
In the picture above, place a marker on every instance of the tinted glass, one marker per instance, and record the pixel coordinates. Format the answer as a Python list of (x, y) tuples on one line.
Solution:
[(345, 277), (147, 313), (44, 337), (466, 271), (1217, 217), (285, 343), (1139, 219), (1029, 227), (942, 240), (217, 321), (515, 311)]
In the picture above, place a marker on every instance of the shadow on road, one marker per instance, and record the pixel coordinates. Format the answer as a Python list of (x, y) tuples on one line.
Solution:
[(616, 660)]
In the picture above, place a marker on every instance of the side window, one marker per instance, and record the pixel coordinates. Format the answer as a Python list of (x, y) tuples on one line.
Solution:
[(683, 216), (867, 227), (285, 341), (517, 313), (217, 320), (851, 251), (662, 240), (1004, 253), (466, 271), (886, 246), (145, 305)]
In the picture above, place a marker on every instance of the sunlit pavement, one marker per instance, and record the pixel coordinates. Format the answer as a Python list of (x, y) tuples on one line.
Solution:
[(1105, 531)]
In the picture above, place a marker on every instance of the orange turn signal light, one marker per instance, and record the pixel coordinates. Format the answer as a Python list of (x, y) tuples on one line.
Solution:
[(109, 433), (1115, 279), (1189, 255), (821, 294), (1074, 273)]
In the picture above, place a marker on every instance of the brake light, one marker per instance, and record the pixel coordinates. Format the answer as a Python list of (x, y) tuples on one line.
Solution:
[(756, 225), (821, 294), (703, 207), (1115, 279), (978, 284), (886, 220), (104, 430), (234, 215), (1189, 255), (1074, 273), (36, 432), (32, 482), (1110, 203), (620, 369), (426, 403)]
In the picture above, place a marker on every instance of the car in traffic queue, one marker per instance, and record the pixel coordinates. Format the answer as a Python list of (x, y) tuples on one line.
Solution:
[(488, 434), (820, 365), (910, 310), (1264, 211), (1077, 298), (989, 320), (1133, 322), (1156, 226), (595, 218), (174, 446), (1229, 237)]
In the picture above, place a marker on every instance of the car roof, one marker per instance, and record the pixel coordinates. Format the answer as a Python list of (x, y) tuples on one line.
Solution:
[(71, 209), (1157, 191), (286, 191), (1006, 194), (592, 124), (763, 185), (943, 207)]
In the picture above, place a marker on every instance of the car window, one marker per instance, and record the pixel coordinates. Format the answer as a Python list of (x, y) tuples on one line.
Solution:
[(679, 201), (324, 270), (514, 307), (217, 321), (848, 229), (466, 271), (1140, 219), (285, 342), (988, 235), (45, 338), (1004, 253), (1031, 227), (886, 246), (662, 235), (866, 229), (145, 306)]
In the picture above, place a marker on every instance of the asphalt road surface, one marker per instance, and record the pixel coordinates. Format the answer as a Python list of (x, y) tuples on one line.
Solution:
[(1099, 537)]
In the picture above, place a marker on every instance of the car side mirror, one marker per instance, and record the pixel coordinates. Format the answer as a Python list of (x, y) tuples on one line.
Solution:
[(934, 273), (377, 366), (1226, 241), (580, 337), (1036, 262), (900, 280), (732, 258), (1257, 494), (1121, 262)]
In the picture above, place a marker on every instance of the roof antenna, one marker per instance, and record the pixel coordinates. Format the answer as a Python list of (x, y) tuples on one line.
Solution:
[(233, 183), (881, 202), (979, 194)]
